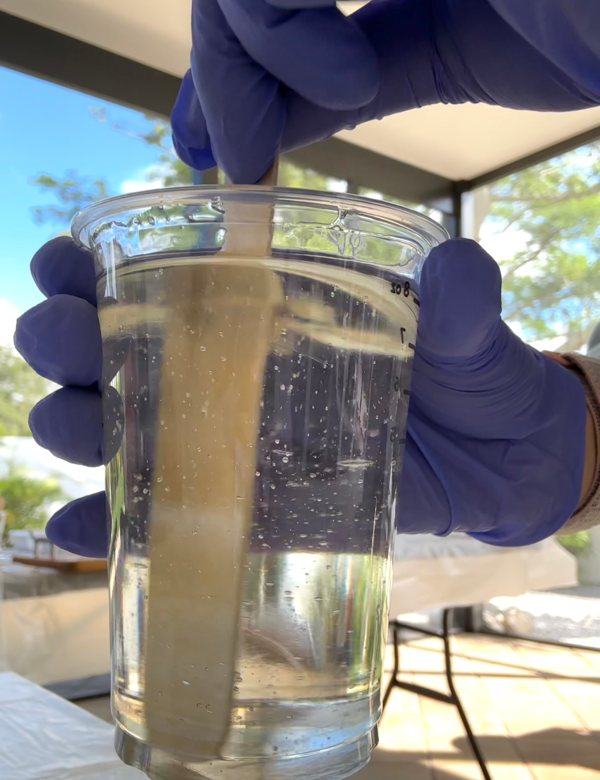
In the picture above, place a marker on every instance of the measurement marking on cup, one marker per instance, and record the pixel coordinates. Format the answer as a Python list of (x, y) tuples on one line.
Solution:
[(400, 288), (411, 346)]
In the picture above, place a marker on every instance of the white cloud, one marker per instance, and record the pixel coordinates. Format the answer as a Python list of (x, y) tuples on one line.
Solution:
[(137, 185), (23, 453), (148, 178), (550, 344), (503, 245), (8, 320)]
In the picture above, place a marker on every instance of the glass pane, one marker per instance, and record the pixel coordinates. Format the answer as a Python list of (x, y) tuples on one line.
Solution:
[(541, 224), (292, 175)]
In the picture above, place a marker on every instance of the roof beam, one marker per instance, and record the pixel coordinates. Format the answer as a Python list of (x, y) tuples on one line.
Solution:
[(56, 57), (547, 153), (47, 54)]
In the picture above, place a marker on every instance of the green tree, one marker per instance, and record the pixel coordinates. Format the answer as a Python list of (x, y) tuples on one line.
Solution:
[(20, 389), (72, 191), (576, 543), (552, 282), (27, 499), (292, 175)]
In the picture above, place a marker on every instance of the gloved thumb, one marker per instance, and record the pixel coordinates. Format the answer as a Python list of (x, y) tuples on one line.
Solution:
[(188, 125), (461, 302), (295, 4), (470, 369), (314, 50)]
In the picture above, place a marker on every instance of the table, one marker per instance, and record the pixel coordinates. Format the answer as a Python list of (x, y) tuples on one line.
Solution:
[(44, 737), (432, 572), (54, 627), (448, 572)]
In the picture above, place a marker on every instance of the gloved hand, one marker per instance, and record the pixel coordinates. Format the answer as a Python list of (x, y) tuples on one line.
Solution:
[(266, 78), (496, 430)]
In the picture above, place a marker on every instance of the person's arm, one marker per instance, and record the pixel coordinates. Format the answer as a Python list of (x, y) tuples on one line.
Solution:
[(587, 370), (591, 460)]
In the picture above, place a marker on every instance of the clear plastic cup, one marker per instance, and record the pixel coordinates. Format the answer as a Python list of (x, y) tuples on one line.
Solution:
[(257, 354)]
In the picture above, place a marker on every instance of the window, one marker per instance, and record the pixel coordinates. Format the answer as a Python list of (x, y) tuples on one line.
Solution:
[(542, 226), (292, 175)]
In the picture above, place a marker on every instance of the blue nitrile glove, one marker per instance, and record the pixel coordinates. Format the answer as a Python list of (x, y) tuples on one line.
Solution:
[(60, 339), (495, 433), (266, 78), (496, 430)]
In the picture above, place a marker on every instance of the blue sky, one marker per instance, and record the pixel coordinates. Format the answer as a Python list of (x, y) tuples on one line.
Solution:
[(45, 128)]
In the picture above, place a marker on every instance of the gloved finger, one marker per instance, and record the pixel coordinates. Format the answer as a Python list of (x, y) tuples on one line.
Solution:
[(79, 426), (249, 131), (460, 292), (242, 104), (402, 34), (60, 339), (422, 505), (317, 52), (81, 527), (113, 423), (471, 374), (295, 4), (431, 52), (190, 134), (569, 35), (61, 266), (69, 424), (458, 332)]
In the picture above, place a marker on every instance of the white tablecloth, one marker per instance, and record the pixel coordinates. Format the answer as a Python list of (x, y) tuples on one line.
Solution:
[(433, 572), (44, 737), (53, 627)]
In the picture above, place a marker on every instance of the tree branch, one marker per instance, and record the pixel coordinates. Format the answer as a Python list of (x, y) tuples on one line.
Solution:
[(546, 201), (531, 257)]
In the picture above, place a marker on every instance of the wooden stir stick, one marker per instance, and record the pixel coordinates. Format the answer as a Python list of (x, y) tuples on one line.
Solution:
[(219, 330)]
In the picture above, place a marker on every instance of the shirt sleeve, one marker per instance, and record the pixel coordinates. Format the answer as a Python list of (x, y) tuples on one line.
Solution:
[(588, 371)]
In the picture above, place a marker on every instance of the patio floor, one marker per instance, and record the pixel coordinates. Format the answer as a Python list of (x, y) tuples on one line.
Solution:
[(535, 708)]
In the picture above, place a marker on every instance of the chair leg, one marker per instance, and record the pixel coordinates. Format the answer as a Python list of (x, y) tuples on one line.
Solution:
[(394, 679), (472, 739)]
